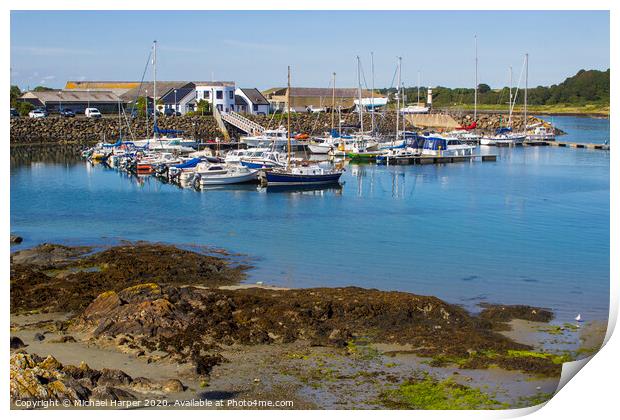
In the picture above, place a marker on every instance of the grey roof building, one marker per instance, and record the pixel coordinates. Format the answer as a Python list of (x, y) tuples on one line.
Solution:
[(76, 100)]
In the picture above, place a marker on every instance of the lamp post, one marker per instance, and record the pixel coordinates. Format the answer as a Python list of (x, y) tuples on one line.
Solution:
[(175, 103), (60, 101), (88, 98)]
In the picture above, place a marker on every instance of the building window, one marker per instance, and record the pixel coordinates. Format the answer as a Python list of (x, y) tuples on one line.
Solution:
[(254, 107), (231, 94), (219, 94), (205, 94), (232, 107)]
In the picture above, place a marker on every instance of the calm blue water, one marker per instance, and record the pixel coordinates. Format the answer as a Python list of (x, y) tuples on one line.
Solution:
[(531, 228), (581, 129)]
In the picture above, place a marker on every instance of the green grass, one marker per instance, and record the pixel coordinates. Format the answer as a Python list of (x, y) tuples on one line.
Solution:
[(542, 109), (431, 394)]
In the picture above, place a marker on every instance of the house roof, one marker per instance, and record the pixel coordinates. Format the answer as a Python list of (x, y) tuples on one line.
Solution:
[(118, 87), (214, 83), (321, 92), (169, 97), (254, 96), (73, 96), (162, 89), (239, 100)]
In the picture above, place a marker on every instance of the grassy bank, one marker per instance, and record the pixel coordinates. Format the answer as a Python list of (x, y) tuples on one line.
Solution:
[(559, 109)]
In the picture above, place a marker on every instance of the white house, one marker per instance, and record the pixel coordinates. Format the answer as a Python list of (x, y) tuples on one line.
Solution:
[(181, 100), (222, 94), (251, 101)]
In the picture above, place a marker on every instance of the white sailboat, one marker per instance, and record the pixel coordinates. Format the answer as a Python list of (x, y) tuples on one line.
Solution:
[(298, 175), (160, 140)]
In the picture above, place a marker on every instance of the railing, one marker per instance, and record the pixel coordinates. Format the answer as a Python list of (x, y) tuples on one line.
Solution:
[(242, 123)]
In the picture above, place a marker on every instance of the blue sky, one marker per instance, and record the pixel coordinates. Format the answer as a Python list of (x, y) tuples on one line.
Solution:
[(253, 48)]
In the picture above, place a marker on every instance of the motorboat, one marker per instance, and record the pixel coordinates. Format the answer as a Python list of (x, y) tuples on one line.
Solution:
[(541, 133), (263, 160), (439, 145), (275, 139), (221, 174), (234, 156), (503, 137)]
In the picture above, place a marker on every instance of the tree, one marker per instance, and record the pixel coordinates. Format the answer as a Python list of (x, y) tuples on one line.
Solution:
[(42, 89), (203, 107), (24, 108), (483, 88), (141, 106), (15, 94)]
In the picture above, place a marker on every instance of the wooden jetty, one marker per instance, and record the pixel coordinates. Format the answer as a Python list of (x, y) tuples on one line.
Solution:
[(575, 145), (438, 160)]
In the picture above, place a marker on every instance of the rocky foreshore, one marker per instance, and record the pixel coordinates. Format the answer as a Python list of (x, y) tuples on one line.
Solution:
[(150, 316), (53, 129)]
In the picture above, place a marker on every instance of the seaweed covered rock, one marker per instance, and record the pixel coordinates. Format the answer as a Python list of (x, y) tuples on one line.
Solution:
[(191, 323), (56, 278), (499, 315)]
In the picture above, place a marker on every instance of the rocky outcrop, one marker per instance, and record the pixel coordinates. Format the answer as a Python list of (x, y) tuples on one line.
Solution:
[(190, 324), (53, 278), (16, 343), (34, 378), (16, 239)]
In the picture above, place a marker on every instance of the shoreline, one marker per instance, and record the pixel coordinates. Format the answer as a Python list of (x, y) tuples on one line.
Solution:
[(301, 361)]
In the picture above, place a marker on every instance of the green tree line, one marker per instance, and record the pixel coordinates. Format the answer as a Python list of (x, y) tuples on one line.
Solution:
[(585, 87)]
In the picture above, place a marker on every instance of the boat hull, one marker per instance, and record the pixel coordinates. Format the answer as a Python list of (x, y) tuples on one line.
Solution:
[(320, 149), (280, 178), (252, 176)]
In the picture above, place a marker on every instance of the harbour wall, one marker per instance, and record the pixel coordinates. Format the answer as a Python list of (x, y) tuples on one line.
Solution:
[(28, 131)]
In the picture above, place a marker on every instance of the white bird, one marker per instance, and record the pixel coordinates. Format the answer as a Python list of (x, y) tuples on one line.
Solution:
[(578, 318)]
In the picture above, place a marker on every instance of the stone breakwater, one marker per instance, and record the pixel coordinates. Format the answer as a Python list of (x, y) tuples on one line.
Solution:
[(204, 128), (88, 131)]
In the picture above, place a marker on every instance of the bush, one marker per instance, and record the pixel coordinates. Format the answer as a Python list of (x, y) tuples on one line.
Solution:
[(24, 108)]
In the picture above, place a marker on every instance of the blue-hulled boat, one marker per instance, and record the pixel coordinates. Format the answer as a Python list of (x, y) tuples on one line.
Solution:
[(303, 175), (299, 175)]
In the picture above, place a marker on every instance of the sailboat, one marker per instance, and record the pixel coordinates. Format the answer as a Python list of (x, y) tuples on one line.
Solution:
[(310, 174), (324, 145), (160, 140), (504, 136), (364, 146)]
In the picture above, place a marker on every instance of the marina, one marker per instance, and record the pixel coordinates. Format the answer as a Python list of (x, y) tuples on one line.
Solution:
[(403, 212), (220, 218)]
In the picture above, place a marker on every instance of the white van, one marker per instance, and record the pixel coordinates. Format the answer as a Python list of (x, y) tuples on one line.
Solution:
[(92, 113)]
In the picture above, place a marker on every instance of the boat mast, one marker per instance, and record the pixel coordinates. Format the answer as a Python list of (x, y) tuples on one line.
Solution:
[(418, 88), (154, 88), (525, 94), (398, 98), (333, 99), (510, 100), (476, 80), (359, 91), (288, 119), (404, 104), (372, 92)]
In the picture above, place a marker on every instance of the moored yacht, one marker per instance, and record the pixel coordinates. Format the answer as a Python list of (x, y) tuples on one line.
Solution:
[(438, 145)]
